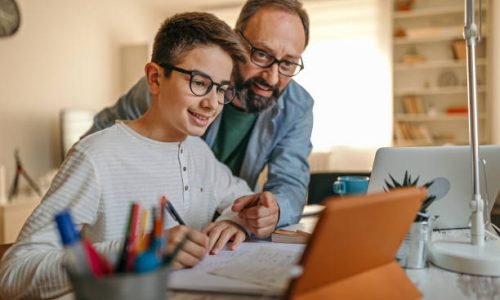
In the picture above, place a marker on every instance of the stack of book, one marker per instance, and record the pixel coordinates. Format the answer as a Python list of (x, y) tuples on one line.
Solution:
[(416, 132), (413, 105)]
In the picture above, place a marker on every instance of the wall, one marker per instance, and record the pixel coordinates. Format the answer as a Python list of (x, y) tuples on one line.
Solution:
[(65, 55)]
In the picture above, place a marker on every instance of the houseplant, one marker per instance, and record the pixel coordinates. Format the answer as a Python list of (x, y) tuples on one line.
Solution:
[(413, 251)]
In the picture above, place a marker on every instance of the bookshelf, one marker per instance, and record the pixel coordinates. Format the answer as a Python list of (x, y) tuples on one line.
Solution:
[(429, 73)]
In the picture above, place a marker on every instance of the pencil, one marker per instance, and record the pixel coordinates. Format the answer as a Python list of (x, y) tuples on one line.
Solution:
[(171, 210), (136, 208)]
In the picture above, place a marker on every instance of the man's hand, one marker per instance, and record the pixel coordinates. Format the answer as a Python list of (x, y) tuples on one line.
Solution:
[(193, 251), (220, 233), (260, 212)]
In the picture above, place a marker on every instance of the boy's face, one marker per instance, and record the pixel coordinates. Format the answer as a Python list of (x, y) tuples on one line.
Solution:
[(179, 112)]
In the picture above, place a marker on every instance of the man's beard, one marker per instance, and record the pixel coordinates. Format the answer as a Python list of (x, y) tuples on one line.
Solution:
[(250, 101)]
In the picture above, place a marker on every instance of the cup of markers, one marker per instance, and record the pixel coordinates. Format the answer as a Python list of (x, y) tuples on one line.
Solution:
[(141, 271)]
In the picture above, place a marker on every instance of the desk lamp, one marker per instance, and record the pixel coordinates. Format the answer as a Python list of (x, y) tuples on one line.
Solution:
[(479, 256)]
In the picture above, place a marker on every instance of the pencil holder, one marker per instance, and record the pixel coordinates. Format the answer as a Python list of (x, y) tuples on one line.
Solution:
[(125, 286)]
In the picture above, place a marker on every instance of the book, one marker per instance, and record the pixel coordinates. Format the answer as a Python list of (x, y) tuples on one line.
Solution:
[(294, 234), (413, 105)]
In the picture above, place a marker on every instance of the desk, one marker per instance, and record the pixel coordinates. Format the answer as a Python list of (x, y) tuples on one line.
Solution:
[(433, 282)]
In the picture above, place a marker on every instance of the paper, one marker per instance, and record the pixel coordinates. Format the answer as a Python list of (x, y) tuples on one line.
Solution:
[(265, 266), (200, 278)]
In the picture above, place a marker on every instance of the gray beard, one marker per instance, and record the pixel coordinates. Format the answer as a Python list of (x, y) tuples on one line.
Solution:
[(248, 99)]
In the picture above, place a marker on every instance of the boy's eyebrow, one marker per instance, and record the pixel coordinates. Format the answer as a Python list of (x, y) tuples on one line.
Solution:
[(203, 73)]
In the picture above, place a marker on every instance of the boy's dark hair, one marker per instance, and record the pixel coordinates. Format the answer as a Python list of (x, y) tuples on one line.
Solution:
[(291, 6), (183, 32)]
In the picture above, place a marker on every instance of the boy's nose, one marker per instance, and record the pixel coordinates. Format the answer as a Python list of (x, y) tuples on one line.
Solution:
[(211, 100)]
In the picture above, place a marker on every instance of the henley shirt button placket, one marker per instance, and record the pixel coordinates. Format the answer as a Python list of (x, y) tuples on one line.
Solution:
[(184, 167)]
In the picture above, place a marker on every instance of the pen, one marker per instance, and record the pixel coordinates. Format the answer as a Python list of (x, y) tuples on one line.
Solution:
[(170, 258), (171, 210)]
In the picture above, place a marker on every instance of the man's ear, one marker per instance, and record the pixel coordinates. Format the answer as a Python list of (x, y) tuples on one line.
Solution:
[(152, 71)]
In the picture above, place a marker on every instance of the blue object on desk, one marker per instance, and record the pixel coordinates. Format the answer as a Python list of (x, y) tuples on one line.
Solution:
[(349, 185)]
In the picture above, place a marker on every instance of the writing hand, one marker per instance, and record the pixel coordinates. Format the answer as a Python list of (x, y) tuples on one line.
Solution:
[(260, 212), (193, 251), (220, 233)]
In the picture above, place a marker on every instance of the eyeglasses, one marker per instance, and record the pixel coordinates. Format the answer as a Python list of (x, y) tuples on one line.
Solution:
[(201, 84), (263, 59)]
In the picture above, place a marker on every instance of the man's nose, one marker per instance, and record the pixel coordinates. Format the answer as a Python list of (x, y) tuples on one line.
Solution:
[(271, 74)]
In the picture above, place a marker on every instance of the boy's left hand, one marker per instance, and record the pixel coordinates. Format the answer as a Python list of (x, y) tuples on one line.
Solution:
[(220, 233)]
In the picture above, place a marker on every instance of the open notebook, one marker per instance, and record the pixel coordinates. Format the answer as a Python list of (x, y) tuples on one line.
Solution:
[(354, 244)]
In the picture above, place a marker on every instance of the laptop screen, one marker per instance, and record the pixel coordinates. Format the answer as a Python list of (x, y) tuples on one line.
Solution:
[(449, 168)]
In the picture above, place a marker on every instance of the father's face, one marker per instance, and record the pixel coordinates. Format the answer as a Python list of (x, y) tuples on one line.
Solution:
[(279, 34)]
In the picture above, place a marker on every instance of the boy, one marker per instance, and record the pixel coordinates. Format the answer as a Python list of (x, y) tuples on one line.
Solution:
[(141, 160)]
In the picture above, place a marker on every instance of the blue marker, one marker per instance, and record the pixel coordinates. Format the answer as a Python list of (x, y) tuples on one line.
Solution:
[(73, 246)]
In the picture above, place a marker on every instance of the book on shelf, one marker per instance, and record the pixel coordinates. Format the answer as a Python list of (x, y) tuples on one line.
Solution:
[(418, 132), (459, 49), (457, 110), (413, 105)]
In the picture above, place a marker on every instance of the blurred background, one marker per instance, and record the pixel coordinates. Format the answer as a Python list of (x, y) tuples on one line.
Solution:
[(69, 59)]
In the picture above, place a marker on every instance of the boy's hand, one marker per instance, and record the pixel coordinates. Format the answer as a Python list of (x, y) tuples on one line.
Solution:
[(260, 212), (220, 233), (194, 249)]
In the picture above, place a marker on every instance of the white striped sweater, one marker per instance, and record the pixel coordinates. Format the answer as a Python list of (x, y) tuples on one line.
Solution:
[(103, 174)]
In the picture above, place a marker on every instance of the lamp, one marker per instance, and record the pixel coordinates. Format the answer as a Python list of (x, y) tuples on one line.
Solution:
[(478, 256)]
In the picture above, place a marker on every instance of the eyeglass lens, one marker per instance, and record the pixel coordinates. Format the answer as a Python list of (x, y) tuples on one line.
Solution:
[(201, 85)]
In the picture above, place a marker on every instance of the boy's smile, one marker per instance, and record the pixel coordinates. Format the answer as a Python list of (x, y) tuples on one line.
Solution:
[(199, 119)]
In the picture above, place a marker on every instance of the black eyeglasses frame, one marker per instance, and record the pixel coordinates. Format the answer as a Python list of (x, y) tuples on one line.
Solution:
[(274, 60), (193, 73)]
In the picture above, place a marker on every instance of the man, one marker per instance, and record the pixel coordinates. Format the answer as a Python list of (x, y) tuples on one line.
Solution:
[(270, 123)]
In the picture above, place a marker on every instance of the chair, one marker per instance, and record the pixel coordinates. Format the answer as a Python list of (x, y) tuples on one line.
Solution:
[(3, 248), (321, 185)]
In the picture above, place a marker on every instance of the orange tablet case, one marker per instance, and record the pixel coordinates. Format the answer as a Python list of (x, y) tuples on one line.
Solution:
[(351, 254)]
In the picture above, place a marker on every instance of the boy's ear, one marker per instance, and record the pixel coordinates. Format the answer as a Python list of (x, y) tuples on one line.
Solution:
[(152, 71)]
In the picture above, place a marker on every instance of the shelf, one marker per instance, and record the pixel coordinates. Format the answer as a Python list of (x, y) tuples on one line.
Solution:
[(429, 12), (431, 39), (436, 118), (437, 64), (437, 91), (426, 41), (409, 143)]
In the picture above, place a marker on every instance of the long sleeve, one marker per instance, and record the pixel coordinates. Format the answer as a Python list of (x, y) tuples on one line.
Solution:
[(32, 268), (288, 173)]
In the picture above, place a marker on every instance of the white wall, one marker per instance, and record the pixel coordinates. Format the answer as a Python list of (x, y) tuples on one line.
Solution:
[(348, 73), (65, 55)]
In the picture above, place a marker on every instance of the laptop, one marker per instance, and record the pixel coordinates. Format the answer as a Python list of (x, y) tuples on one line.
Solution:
[(353, 245), (450, 170)]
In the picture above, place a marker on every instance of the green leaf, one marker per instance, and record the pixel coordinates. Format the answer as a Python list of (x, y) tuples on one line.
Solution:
[(394, 182), (414, 183)]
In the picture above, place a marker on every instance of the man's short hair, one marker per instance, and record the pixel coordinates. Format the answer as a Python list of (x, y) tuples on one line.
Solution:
[(183, 32), (291, 6)]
